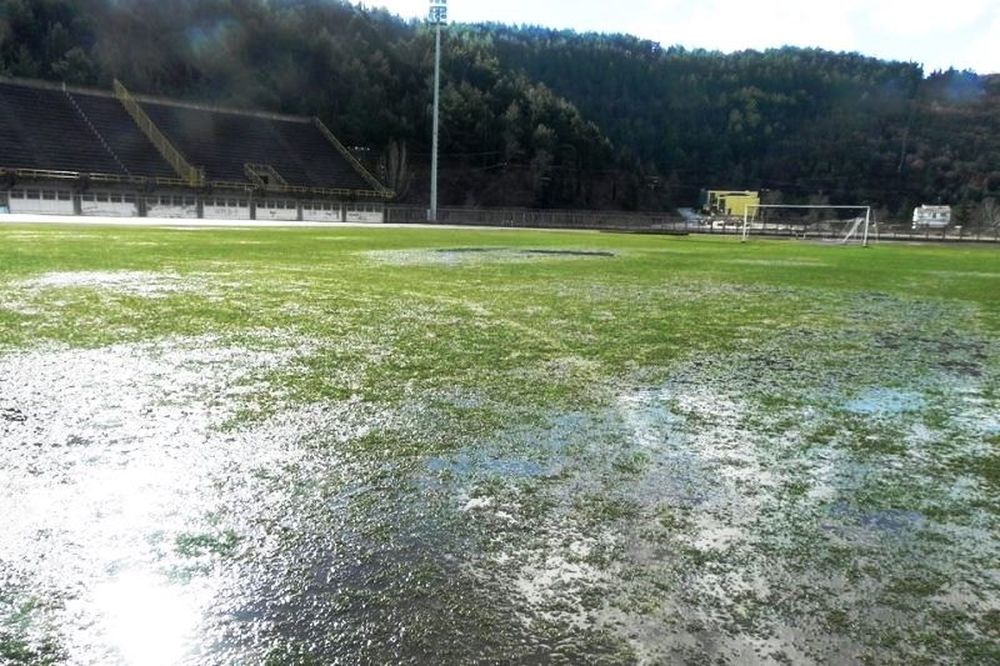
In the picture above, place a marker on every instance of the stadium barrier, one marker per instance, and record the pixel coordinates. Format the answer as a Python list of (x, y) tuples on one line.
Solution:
[(537, 218), (56, 198), (664, 223)]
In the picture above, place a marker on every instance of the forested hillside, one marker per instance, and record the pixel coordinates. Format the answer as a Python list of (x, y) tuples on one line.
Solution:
[(540, 117), (803, 123)]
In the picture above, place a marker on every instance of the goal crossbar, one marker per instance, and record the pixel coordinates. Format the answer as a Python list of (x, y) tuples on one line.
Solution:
[(853, 230)]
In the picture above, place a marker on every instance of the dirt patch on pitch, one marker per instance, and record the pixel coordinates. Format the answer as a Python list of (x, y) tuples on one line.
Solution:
[(473, 255)]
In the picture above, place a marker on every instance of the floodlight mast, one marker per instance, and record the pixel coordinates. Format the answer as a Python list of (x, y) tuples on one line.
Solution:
[(437, 16)]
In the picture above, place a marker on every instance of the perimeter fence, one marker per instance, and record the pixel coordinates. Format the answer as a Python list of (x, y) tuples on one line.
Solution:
[(669, 223)]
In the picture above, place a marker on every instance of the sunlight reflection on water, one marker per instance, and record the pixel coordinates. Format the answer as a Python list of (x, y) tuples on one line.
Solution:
[(146, 619)]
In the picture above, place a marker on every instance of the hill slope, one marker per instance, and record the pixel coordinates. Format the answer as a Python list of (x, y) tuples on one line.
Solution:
[(542, 117)]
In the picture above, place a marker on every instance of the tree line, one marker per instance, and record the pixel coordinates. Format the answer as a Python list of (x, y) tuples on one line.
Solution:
[(539, 117)]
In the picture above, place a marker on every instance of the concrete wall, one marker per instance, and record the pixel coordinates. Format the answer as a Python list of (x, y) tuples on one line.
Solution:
[(225, 208), (51, 200), (321, 212), (365, 213), (277, 210), (182, 212), (110, 204), (41, 201), (172, 206)]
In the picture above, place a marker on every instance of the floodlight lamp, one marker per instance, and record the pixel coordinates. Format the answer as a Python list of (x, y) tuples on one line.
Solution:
[(438, 14)]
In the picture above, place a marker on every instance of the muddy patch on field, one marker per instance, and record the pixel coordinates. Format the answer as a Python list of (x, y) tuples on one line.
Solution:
[(757, 506), (473, 255), (145, 522), (815, 497)]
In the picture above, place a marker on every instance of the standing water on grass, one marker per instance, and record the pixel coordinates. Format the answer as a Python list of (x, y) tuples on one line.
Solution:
[(173, 500)]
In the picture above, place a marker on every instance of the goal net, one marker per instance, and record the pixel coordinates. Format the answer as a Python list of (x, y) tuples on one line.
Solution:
[(844, 224)]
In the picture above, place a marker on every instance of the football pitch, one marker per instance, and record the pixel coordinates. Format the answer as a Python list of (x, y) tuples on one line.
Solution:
[(385, 445)]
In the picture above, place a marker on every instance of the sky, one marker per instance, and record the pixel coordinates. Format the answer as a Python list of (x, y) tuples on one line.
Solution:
[(964, 34)]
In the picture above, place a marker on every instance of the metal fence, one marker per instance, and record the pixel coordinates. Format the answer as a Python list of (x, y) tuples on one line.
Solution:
[(541, 219), (952, 234), (667, 223)]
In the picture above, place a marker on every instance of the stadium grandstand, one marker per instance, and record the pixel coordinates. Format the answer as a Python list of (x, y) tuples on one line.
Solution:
[(70, 150)]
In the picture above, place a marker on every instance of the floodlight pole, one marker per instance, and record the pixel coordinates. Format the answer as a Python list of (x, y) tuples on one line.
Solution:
[(438, 15), (434, 139)]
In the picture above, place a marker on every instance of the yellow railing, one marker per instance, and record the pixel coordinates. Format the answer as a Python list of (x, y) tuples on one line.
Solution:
[(51, 174), (300, 189), (257, 172), (381, 190), (191, 175)]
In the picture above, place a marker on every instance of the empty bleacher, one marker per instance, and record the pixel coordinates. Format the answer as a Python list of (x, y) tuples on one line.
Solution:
[(327, 166), (135, 152), (41, 129), (51, 131), (222, 142), (16, 148)]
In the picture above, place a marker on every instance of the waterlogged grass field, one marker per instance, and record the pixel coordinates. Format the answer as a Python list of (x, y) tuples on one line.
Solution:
[(387, 445)]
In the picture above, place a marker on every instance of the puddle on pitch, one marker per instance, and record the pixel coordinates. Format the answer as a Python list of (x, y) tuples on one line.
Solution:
[(885, 402), (115, 471), (719, 510)]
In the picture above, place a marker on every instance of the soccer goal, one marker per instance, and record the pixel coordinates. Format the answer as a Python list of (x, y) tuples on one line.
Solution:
[(844, 224)]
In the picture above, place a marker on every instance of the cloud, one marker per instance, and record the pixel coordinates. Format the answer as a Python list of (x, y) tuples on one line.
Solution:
[(983, 52), (729, 26), (906, 18)]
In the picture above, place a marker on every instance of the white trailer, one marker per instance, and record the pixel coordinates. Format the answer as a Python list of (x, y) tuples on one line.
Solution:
[(931, 217)]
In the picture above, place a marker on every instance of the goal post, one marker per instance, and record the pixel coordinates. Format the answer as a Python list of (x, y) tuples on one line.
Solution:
[(811, 221)]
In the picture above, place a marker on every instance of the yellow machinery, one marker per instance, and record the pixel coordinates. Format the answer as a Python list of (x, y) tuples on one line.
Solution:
[(729, 202)]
